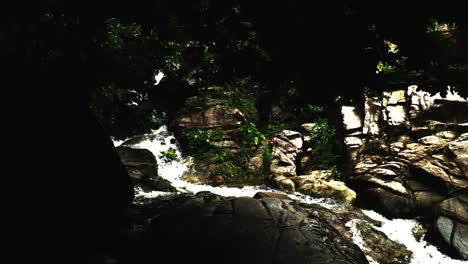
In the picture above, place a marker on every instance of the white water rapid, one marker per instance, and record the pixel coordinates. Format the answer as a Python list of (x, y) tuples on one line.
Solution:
[(399, 230)]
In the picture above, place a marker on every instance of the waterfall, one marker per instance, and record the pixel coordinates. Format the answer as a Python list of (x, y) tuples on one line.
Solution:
[(399, 230)]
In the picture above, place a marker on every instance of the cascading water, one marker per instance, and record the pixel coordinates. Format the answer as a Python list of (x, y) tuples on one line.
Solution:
[(162, 140), (398, 230)]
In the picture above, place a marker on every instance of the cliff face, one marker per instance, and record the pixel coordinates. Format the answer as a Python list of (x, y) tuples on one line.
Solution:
[(408, 154)]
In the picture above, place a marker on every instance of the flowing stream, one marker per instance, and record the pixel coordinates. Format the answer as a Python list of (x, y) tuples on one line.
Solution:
[(399, 230)]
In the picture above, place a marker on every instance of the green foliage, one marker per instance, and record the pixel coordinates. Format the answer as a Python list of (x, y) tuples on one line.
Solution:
[(234, 95), (198, 141), (251, 136), (234, 167), (267, 158), (385, 67), (322, 135), (119, 34), (275, 127), (168, 156)]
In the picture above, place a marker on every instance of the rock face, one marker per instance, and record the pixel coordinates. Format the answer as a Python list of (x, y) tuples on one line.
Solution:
[(248, 230), (285, 145), (409, 158), (143, 169), (216, 116), (224, 118), (287, 149)]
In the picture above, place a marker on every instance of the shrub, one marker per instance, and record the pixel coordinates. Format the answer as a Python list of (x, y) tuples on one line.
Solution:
[(168, 156), (322, 136)]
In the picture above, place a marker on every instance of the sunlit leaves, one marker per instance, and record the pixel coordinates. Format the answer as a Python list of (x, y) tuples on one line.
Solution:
[(118, 34)]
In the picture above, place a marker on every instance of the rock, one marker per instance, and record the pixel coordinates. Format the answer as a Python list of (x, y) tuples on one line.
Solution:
[(285, 184), (285, 146), (427, 199), (216, 116), (281, 196), (306, 130), (396, 147), (438, 170), (218, 180), (294, 137), (351, 118), (279, 114), (415, 164), (247, 230), (353, 142), (395, 115), (142, 168), (459, 149), (319, 187), (388, 203), (83, 168), (256, 162), (455, 234), (282, 166), (136, 157), (447, 111), (372, 111), (447, 134), (394, 97), (380, 248), (431, 140), (227, 145), (307, 163), (456, 207), (419, 100)]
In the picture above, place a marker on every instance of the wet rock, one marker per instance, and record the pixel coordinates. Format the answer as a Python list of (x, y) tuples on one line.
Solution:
[(411, 158), (320, 187), (380, 248), (285, 184), (388, 203), (143, 170), (281, 196), (247, 230), (455, 234)]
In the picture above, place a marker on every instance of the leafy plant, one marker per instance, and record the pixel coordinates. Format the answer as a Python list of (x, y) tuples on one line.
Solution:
[(322, 135), (251, 136), (275, 127), (168, 156), (198, 141)]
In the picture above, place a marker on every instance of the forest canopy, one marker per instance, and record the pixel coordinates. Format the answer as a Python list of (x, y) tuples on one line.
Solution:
[(107, 54)]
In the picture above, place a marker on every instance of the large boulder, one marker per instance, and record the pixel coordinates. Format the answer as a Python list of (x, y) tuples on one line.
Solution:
[(247, 230), (317, 186), (269, 228), (142, 167), (411, 159)]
